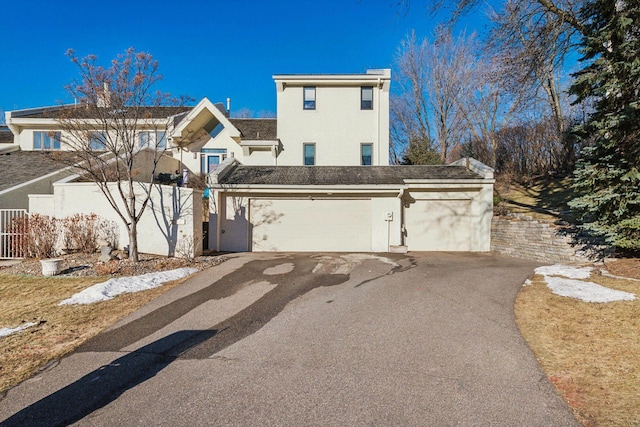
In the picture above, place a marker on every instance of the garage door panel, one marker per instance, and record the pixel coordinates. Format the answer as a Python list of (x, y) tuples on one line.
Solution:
[(438, 225), (310, 225)]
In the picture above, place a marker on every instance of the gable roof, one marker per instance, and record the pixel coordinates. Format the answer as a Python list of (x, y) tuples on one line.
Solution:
[(341, 175), (256, 129), (19, 167), (187, 127)]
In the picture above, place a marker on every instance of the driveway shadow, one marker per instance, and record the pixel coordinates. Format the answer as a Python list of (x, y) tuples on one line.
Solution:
[(104, 385)]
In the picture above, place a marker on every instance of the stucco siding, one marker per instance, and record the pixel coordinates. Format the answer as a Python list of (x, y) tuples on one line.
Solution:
[(171, 223), (337, 125)]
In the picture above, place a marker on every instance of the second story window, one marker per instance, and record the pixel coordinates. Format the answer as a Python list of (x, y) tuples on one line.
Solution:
[(153, 139), (46, 140), (366, 154), (97, 141), (309, 97), (309, 154), (366, 98)]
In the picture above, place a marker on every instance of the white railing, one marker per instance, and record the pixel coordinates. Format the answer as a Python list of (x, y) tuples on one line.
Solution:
[(13, 233)]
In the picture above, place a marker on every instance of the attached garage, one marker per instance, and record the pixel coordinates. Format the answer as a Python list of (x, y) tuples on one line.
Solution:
[(310, 224), (353, 208), (438, 225)]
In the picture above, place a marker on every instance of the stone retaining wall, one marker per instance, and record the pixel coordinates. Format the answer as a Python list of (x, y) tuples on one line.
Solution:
[(522, 237)]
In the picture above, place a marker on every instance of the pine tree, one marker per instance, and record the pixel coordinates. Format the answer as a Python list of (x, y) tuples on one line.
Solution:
[(607, 176)]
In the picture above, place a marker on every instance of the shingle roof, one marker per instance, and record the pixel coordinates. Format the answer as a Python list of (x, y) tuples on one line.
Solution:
[(23, 166), (54, 112), (256, 129), (341, 175), (6, 137)]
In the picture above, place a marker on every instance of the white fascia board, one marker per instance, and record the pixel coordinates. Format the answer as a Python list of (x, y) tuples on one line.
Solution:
[(304, 189), (447, 184), (328, 79), (259, 143), (17, 124)]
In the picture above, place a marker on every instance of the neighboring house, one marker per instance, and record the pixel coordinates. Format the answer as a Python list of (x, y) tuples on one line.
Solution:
[(317, 178), (39, 179), (28, 172)]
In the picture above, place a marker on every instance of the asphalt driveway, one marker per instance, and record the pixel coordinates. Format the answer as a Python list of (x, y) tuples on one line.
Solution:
[(310, 339)]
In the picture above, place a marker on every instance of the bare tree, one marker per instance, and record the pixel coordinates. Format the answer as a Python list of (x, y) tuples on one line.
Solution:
[(532, 44), (242, 113), (487, 108), (434, 77), (117, 129), (564, 10)]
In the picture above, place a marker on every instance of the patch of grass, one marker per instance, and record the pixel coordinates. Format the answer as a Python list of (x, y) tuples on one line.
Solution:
[(543, 199), (589, 351), (59, 329)]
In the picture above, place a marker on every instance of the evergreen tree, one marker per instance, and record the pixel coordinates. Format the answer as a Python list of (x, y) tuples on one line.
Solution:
[(607, 177)]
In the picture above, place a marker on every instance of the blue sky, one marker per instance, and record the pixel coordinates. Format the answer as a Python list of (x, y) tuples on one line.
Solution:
[(211, 48)]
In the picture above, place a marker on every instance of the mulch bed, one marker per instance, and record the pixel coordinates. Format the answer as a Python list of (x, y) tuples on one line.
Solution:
[(81, 264)]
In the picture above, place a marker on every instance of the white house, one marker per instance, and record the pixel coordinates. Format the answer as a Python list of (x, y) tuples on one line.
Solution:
[(317, 178)]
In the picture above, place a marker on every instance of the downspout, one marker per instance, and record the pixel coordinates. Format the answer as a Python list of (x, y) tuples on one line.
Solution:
[(219, 219), (402, 227), (378, 120)]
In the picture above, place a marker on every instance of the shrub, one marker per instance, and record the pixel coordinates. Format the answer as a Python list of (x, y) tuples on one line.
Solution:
[(42, 235), (81, 232), (107, 230), (186, 246)]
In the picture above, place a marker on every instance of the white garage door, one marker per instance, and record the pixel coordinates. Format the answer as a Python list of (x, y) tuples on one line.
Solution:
[(310, 225), (438, 225)]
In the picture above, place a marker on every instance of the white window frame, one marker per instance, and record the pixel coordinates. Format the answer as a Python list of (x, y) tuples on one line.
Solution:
[(95, 143), (48, 140), (214, 153), (366, 104), (309, 97), (304, 153), (362, 145), (155, 139)]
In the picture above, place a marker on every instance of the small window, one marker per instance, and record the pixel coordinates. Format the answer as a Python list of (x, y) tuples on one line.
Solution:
[(309, 154), (309, 98), (366, 154), (366, 98), (46, 140), (97, 141), (211, 158), (151, 139)]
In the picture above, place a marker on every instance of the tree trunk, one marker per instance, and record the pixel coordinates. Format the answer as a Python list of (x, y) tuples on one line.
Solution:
[(133, 242)]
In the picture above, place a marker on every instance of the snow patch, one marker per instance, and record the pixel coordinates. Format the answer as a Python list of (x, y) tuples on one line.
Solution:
[(121, 285), (568, 286), (565, 270), (8, 331)]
